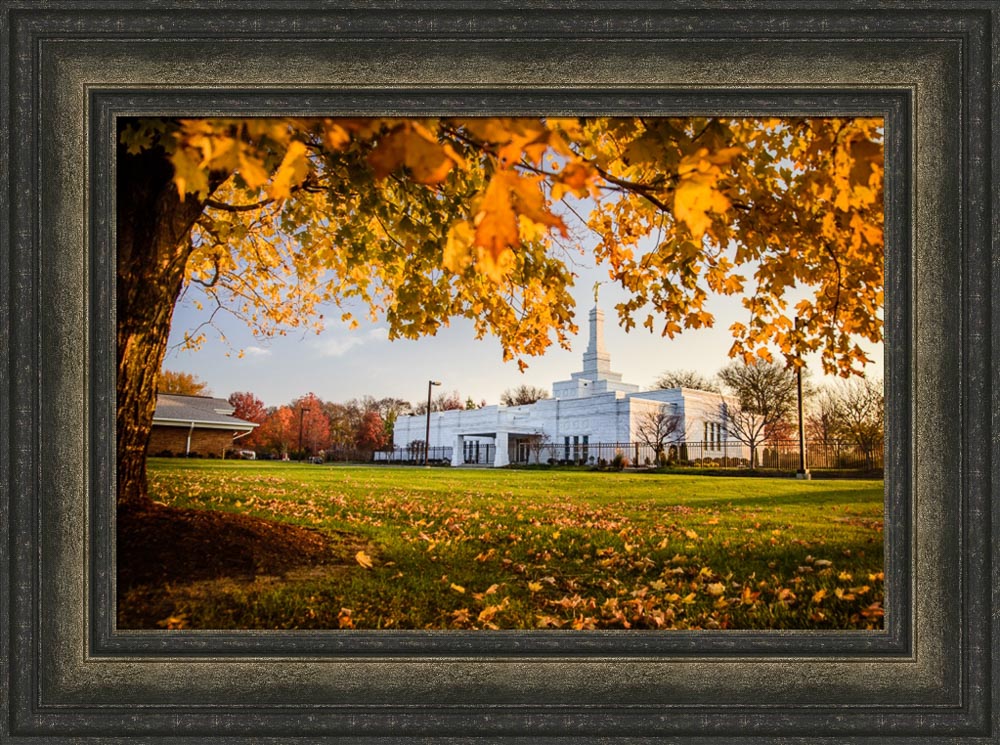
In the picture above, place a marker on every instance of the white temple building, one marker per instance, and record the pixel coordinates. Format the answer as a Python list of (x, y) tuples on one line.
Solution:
[(589, 413)]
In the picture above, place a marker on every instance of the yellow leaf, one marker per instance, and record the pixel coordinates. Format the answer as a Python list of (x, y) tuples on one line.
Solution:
[(715, 588), (458, 248), (534, 586), (691, 534), (293, 169), (252, 170), (496, 227), (414, 146), (363, 559), (189, 176), (696, 194), (819, 595), (457, 588)]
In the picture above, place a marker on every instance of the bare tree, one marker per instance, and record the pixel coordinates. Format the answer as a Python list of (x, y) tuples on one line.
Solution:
[(759, 396), (522, 395), (537, 445), (821, 421), (687, 379), (442, 402), (860, 415), (658, 428)]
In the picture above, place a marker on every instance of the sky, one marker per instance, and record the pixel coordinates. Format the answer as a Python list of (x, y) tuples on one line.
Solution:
[(340, 364)]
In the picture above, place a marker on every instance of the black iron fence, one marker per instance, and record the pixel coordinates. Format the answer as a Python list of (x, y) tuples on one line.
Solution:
[(779, 455), (413, 456)]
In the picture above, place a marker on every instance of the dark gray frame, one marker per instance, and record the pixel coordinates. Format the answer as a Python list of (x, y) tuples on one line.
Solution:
[(68, 68)]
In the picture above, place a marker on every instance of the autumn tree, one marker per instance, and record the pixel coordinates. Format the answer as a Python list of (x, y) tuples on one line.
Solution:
[(182, 383), (686, 379), (390, 409), (278, 431), (658, 427), (523, 394), (371, 434), (758, 397), (248, 407), (420, 221), (313, 425)]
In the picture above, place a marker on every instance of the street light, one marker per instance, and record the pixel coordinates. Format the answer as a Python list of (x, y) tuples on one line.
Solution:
[(803, 472), (427, 436), (302, 411)]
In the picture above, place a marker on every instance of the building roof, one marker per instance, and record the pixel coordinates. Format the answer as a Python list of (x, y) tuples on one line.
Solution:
[(173, 409)]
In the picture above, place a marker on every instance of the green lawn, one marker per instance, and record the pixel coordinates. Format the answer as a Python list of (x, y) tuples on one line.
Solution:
[(459, 549)]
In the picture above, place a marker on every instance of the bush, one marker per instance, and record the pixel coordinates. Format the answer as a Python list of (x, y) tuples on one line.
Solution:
[(165, 454), (662, 459), (194, 454), (619, 462)]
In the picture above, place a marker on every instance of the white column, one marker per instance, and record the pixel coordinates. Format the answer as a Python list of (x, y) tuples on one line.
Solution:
[(458, 451), (501, 457)]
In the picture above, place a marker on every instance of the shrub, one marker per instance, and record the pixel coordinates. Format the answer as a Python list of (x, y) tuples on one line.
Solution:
[(194, 454), (662, 459), (619, 462), (165, 454)]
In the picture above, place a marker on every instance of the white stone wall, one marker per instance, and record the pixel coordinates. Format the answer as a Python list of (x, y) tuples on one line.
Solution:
[(594, 404)]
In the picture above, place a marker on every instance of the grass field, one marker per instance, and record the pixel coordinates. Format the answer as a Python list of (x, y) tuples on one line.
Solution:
[(458, 549)]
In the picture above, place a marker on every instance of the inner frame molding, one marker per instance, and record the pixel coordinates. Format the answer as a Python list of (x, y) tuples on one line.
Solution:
[(67, 672)]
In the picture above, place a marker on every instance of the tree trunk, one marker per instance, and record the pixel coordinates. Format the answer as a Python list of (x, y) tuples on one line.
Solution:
[(154, 228)]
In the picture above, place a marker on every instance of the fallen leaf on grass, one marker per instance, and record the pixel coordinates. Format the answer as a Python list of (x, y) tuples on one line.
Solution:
[(363, 559)]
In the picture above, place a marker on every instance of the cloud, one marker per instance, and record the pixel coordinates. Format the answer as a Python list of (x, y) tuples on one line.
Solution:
[(257, 352), (338, 346), (333, 347)]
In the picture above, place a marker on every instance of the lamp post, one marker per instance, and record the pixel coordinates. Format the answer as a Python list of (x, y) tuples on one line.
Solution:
[(427, 435), (803, 472), (302, 412)]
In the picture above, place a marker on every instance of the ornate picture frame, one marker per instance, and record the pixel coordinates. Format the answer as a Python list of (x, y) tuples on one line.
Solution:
[(70, 68)]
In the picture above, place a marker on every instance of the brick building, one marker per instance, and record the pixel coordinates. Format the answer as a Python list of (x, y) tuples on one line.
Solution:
[(201, 425)]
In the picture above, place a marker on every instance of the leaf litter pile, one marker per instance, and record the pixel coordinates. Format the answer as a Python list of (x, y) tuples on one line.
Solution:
[(274, 546)]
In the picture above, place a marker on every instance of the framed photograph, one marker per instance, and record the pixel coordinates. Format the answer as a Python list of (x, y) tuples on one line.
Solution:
[(898, 643)]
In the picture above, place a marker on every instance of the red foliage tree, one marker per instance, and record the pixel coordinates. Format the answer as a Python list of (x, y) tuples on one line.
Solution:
[(248, 407), (310, 418), (371, 433), (278, 432)]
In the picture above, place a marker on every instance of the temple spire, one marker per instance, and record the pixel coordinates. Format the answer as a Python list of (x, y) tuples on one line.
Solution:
[(596, 359)]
